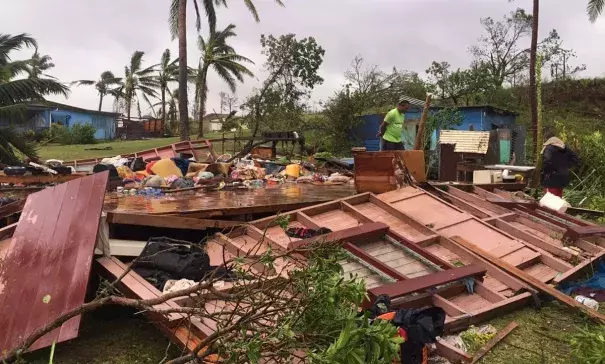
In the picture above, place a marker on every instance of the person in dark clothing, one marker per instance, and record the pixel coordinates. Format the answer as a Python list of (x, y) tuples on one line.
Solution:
[(557, 159)]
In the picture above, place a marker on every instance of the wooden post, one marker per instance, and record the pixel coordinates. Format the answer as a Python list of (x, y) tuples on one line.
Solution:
[(419, 135)]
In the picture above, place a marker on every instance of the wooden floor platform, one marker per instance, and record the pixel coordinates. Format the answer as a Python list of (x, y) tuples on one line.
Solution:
[(269, 199)]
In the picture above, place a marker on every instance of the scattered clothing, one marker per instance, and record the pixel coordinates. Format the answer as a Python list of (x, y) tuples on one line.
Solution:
[(173, 285), (165, 168), (126, 173), (594, 287), (154, 181), (181, 183), (205, 175), (138, 164), (182, 164), (304, 233), (557, 160)]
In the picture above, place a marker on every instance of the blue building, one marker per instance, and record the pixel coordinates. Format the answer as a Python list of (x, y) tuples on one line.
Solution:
[(477, 118), (41, 115)]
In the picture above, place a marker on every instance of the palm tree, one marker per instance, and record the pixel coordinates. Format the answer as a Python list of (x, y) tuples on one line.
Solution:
[(216, 53), (39, 64), (103, 85), (178, 28), (15, 92), (594, 9), (138, 80), (533, 96), (168, 71)]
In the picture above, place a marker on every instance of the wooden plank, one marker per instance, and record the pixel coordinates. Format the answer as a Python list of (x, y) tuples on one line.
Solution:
[(361, 254), (168, 221), (11, 208), (585, 268), (451, 353), (531, 280), (358, 234), (478, 201), (494, 341), (523, 235), (48, 263), (414, 285), (29, 180), (450, 308), (401, 216)]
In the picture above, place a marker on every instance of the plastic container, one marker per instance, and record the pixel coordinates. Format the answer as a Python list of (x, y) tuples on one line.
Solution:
[(293, 170), (588, 302), (554, 203)]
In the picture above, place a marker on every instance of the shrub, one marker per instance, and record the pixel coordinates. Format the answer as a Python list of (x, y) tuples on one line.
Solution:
[(83, 134), (78, 134), (60, 134)]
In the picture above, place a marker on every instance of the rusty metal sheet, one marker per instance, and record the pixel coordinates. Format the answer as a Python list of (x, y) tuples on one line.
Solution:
[(278, 198), (48, 261)]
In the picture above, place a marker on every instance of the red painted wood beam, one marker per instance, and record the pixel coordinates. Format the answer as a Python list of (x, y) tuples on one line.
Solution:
[(359, 234), (419, 284)]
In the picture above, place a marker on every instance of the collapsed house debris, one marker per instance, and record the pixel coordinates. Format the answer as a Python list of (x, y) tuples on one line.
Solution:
[(473, 252)]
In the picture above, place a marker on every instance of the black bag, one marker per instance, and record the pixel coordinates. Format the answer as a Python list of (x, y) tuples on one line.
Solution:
[(164, 258)]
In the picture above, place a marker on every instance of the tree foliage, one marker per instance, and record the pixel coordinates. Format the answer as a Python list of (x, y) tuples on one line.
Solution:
[(107, 84), (292, 65), (137, 81), (224, 60), (504, 50), (15, 92)]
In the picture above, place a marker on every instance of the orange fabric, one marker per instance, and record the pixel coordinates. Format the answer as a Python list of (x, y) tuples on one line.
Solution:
[(389, 316)]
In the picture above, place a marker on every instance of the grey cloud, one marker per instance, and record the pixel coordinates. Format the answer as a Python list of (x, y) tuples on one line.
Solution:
[(87, 37)]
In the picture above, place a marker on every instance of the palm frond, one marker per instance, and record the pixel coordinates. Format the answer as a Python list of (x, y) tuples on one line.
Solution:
[(250, 5), (226, 76), (14, 112), (11, 142), (22, 90), (9, 43), (165, 59), (83, 83), (210, 14), (595, 9), (173, 19), (136, 61)]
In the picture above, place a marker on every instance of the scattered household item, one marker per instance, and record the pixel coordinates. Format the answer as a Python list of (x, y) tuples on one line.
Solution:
[(165, 168), (164, 259), (15, 171), (205, 175), (482, 177), (154, 181), (554, 203), (181, 183), (588, 302), (293, 170)]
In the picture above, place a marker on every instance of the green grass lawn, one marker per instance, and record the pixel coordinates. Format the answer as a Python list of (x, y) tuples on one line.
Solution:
[(71, 152)]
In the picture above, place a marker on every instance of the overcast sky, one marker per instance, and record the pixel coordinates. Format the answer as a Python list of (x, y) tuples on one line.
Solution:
[(87, 37)]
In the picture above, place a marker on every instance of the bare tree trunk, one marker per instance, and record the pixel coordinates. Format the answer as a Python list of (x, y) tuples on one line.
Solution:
[(533, 96), (183, 109), (203, 92), (100, 102), (164, 118)]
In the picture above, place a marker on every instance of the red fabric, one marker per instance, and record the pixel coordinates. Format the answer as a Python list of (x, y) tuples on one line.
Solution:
[(554, 191), (148, 168)]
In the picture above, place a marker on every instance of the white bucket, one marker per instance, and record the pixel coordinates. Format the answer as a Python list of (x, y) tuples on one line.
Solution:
[(554, 203)]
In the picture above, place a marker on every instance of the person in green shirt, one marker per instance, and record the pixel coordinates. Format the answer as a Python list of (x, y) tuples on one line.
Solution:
[(392, 126)]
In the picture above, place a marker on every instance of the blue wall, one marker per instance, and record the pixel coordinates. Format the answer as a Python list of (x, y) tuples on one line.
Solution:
[(481, 118), (104, 124)]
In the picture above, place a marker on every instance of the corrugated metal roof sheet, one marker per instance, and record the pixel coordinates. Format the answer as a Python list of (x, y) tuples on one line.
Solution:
[(466, 141), (413, 101)]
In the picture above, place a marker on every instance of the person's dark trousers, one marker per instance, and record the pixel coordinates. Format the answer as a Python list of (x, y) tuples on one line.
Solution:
[(386, 145)]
